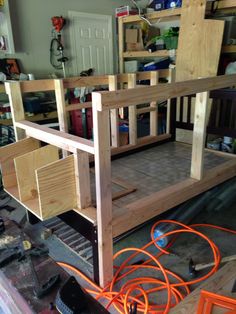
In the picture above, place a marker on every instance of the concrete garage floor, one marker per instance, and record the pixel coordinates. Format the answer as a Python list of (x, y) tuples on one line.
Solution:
[(185, 247)]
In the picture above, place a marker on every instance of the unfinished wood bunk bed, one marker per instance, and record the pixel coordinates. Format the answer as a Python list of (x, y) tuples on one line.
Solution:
[(49, 185)]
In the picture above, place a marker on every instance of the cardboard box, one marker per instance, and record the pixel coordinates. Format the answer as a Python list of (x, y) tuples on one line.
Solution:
[(125, 10), (134, 40)]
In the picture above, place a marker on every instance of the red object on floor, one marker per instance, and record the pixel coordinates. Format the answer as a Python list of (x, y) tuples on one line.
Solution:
[(209, 300)]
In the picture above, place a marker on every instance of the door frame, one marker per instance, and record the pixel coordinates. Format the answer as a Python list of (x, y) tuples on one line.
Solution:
[(72, 14)]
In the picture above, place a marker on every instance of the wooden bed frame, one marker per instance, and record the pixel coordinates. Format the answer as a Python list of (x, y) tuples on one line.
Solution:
[(39, 179)]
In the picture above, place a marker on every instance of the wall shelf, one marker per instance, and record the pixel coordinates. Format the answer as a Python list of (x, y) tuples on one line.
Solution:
[(229, 49)]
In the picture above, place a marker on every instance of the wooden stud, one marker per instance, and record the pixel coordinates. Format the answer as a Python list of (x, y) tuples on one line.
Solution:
[(114, 117), (61, 109), (121, 43), (60, 139), (17, 109), (154, 80), (103, 191), (82, 179), (132, 112), (171, 79), (199, 135)]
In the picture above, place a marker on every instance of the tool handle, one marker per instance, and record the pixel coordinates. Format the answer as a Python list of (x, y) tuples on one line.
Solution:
[(223, 260)]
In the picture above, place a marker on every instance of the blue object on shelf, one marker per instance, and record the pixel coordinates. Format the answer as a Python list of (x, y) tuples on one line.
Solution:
[(124, 128), (171, 4), (159, 5), (160, 65)]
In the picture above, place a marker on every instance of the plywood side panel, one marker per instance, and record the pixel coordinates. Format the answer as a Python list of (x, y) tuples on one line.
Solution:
[(7, 155), (56, 187), (199, 44), (25, 167)]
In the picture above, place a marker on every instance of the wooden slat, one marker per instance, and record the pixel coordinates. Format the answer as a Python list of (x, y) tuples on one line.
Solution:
[(221, 283), (60, 139), (36, 86), (82, 81), (103, 191), (82, 179), (121, 44), (135, 96), (143, 54), (61, 109), (17, 109), (114, 118), (146, 110), (154, 114), (56, 187), (26, 165), (84, 105), (7, 155), (199, 136), (159, 202), (132, 113), (171, 79)]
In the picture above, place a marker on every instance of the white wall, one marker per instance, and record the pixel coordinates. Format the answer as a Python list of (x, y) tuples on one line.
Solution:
[(31, 23)]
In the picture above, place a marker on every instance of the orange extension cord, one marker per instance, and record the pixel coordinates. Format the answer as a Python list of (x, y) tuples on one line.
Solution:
[(175, 287)]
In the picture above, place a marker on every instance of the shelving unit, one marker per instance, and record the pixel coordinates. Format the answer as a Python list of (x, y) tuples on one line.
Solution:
[(6, 28), (166, 15)]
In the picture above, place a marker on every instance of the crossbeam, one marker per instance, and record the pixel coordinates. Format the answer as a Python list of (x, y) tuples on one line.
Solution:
[(60, 139)]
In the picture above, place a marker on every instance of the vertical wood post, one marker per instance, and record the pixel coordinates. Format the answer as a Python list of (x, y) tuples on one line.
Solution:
[(82, 179), (171, 79), (103, 190), (61, 109), (132, 113), (121, 43), (17, 108), (199, 135), (154, 79), (114, 118)]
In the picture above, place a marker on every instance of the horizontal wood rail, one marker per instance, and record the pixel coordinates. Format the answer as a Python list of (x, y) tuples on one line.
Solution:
[(135, 96), (62, 140)]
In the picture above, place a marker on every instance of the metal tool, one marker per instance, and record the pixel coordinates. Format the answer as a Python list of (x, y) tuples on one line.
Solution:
[(2, 226), (42, 290), (133, 308)]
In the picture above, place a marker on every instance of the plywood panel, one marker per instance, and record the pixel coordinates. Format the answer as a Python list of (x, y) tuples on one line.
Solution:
[(56, 187), (7, 155), (199, 44), (26, 165)]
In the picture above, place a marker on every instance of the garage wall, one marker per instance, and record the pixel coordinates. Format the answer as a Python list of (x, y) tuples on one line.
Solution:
[(31, 23)]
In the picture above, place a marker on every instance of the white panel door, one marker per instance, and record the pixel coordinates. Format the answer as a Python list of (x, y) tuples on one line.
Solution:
[(91, 43)]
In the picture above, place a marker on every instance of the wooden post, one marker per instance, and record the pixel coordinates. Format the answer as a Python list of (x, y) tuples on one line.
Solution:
[(171, 79), (114, 118), (82, 179), (61, 109), (199, 135), (103, 190), (17, 109), (154, 79), (132, 113), (121, 43)]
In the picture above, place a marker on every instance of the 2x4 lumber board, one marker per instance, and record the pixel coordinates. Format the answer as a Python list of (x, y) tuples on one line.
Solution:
[(221, 283), (121, 98), (149, 207), (123, 78), (60, 139), (171, 79), (82, 179), (84, 105), (144, 141), (103, 192), (56, 187), (152, 16), (114, 117), (226, 4), (26, 165), (144, 54), (121, 44), (132, 112), (36, 86), (7, 155), (219, 153), (154, 114), (89, 213), (61, 109), (17, 109), (199, 135), (82, 81), (146, 110)]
